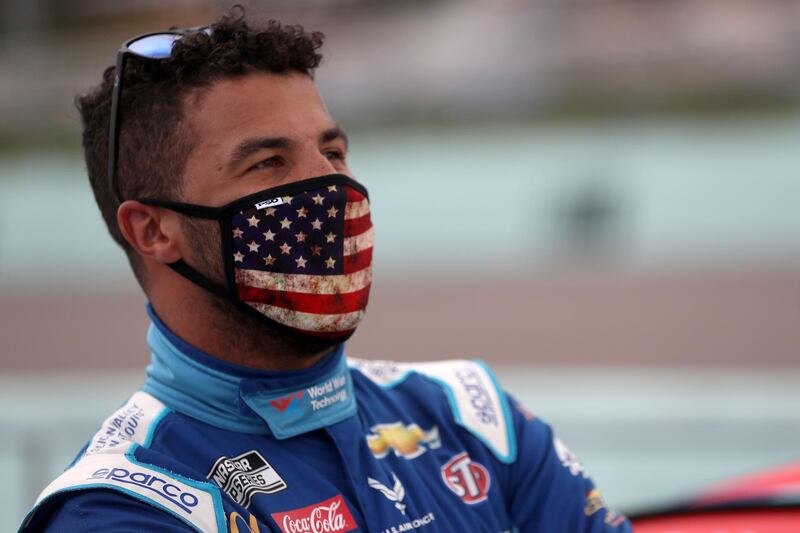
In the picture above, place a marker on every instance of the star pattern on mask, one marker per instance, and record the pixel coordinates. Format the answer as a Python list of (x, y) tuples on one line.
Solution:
[(307, 233)]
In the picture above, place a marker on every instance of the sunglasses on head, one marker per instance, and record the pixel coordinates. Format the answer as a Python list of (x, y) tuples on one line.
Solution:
[(150, 46)]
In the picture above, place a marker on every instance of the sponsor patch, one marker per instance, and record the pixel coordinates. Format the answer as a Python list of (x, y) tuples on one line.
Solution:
[(269, 203), (196, 503), (478, 404), (329, 516), (568, 459), (405, 441), (293, 412), (153, 483), (469, 480), (594, 502), (283, 403), (130, 423), (396, 494), (385, 373), (613, 518), (237, 524), (411, 525), (477, 391), (243, 476)]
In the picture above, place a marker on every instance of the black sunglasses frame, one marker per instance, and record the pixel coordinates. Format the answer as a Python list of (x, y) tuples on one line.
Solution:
[(116, 97)]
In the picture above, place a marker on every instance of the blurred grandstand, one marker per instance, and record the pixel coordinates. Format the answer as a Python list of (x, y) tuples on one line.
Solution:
[(442, 60)]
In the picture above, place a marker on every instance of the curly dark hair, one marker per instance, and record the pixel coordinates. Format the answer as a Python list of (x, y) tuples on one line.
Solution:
[(154, 141)]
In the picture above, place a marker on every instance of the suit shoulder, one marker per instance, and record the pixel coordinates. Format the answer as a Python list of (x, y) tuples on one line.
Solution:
[(109, 463), (90, 510), (477, 402)]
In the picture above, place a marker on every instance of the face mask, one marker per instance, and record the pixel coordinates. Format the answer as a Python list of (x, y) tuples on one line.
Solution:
[(298, 255)]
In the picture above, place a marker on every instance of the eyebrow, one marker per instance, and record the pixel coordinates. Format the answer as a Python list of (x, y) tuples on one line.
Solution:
[(332, 134), (248, 147)]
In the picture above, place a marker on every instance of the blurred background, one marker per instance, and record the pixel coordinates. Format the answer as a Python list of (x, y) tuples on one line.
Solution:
[(598, 197)]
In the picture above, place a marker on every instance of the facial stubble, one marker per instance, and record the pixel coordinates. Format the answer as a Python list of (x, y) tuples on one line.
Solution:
[(249, 338)]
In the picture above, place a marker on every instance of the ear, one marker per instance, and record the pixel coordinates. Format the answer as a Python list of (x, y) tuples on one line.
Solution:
[(152, 231)]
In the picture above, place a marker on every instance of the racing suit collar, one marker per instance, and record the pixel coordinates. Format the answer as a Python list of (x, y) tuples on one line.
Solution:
[(236, 398)]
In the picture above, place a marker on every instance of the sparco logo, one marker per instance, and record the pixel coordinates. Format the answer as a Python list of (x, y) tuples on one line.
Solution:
[(468, 480), (330, 516), (162, 487), (478, 395), (244, 475)]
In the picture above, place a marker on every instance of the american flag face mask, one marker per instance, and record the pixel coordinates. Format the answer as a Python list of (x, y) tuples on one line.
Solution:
[(298, 255)]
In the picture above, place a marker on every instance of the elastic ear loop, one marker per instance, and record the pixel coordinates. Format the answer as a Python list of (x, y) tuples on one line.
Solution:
[(182, 267)]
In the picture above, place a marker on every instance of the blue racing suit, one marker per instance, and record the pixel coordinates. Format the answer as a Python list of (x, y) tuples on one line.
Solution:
[(347, 445)]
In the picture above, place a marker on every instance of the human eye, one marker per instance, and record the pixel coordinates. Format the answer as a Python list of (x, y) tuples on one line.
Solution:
[(270, 162), (334, 154)]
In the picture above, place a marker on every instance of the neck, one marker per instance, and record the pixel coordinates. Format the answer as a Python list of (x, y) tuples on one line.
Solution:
[(222, 330)]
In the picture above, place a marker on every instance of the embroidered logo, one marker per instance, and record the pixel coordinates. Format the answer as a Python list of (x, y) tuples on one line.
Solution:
[(594, 502), (568, 459), (330, 516), (284, 402), (236, 520), (245, 475), (469, 480), (405, 441), (396, 494), (269, 203), (146, 480)]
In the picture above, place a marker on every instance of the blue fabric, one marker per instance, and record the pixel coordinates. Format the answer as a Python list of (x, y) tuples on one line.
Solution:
[(400, 462), (87, 512), (233, 397)]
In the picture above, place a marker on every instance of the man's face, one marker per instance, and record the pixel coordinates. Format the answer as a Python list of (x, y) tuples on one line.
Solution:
[(257, 132), (251, 134)]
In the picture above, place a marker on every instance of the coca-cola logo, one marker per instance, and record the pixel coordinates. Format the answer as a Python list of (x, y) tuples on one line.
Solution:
[(330, 516)]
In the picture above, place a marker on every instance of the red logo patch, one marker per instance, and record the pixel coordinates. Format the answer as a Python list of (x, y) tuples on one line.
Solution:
[(281, 404), (330, 516), (469, 480)]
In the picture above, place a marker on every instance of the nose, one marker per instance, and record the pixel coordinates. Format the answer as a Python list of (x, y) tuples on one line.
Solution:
[(311, 162)]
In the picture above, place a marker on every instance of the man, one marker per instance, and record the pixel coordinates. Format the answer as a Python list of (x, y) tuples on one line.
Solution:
[(221, 174)]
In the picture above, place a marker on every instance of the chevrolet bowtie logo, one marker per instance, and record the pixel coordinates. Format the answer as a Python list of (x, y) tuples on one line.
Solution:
[(404, 440)]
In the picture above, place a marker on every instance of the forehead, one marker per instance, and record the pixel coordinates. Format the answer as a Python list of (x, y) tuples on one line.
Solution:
[(259, 104)]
